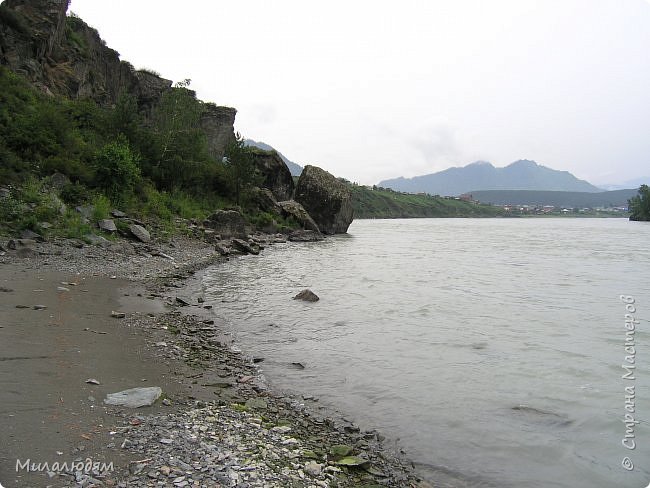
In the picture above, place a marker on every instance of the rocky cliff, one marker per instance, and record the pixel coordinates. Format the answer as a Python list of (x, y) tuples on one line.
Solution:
[(62, 55), (217, 123)]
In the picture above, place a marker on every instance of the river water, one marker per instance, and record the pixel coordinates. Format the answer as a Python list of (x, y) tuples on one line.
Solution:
[(490, 350)]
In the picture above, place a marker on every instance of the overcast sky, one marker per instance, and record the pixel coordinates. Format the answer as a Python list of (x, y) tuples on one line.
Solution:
[(375, 89)]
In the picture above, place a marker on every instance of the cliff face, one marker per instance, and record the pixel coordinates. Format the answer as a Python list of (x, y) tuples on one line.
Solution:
[(41, 23), (217, 123), (64, 56)]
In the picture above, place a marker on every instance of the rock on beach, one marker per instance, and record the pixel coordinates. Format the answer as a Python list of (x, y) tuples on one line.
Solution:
[(140, 233), (135, 397)]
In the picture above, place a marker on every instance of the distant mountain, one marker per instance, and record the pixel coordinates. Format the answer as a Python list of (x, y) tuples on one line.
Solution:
[(565, 199), (481, 175), (635, 183), (293, 167)]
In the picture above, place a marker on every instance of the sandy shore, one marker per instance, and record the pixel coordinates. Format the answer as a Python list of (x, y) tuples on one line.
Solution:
[(217, 424)]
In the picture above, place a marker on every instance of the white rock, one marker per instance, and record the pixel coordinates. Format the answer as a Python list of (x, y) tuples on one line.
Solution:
[(312, 468), (135, 397)]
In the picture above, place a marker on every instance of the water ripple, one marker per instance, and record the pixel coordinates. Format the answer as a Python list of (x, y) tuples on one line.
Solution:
[(435, 344)]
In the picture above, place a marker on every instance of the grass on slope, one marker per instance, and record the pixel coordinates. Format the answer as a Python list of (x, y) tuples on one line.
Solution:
[(382, 203)]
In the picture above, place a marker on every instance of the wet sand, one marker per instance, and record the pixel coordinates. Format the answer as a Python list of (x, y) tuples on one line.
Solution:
[(48, 412)]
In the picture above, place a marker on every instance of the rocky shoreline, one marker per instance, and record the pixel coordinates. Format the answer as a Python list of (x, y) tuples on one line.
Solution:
[(220, 425)]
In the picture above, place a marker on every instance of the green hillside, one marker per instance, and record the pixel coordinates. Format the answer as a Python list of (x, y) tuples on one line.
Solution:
[(106, 157), (381, 203)]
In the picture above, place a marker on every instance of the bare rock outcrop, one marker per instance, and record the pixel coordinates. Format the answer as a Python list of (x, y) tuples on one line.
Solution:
[(275, 173), (217, 123), (327, 200), (61, 55)]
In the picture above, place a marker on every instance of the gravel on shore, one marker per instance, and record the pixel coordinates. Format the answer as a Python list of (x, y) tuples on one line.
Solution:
[(243, 434)]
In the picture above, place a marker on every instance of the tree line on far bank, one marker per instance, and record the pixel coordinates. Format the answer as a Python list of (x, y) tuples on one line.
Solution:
[(639, 205)]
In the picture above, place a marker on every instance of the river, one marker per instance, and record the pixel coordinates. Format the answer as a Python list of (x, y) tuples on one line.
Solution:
[(490, 350)]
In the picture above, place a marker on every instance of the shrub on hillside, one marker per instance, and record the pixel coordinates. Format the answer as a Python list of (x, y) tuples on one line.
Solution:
[(116, 170)]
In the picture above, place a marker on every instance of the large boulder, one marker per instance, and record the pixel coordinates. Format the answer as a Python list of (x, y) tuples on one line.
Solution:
[(227, 223), (328, 200), (275, 173), (292, 209)]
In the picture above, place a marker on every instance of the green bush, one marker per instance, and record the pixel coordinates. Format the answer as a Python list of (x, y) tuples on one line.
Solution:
[(73, 225), (31, 191), (75, 194), (262, 220), (116, 169), (10, 209), (101, 207), (151, 72), (156, 204), (47, 211), (112, 151), (12, 167)]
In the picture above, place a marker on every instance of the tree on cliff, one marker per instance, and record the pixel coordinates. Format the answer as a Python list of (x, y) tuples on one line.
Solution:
[(241, 166), (125, 119), (181, 144), (640, 205)]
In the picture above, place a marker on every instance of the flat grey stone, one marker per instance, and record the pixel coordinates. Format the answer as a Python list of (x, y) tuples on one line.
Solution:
[(135, 397), (140, 233), (97, 240), (30, 234), (107, 225)]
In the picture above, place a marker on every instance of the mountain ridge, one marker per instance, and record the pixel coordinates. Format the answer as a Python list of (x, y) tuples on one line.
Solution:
[(523, 174)]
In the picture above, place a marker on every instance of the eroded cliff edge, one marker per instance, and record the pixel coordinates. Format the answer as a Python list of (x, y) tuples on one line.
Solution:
[(61, 55)]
